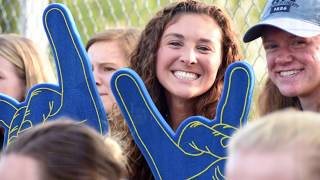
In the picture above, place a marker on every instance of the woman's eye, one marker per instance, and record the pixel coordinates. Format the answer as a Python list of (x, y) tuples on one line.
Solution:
[(175, 44), (299, 43), (204, 49), (107, 69), (270, 46)]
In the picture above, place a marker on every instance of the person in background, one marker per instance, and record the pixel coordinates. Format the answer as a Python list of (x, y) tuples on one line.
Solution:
[(290, 32), (108, 51), (21, 67), (62, 149), (182, 57), (279, 146)]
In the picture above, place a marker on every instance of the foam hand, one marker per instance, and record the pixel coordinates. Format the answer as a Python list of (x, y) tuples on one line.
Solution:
[(197, 150), (75, 96)]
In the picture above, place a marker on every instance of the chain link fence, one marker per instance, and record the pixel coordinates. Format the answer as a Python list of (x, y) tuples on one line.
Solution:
[(25, 17)]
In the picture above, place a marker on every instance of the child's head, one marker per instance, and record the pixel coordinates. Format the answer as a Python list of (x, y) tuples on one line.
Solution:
[(62, 150), (282, 145)]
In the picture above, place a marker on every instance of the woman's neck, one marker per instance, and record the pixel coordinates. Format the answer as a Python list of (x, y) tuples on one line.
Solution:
[(310, 102), (179, 110)]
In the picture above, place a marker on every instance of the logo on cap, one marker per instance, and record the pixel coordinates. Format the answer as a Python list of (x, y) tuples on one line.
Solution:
[(282, 5)]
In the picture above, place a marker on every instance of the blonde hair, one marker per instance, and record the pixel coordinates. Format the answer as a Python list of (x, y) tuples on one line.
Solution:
[(282, 130), (25, 55), (271, 99)]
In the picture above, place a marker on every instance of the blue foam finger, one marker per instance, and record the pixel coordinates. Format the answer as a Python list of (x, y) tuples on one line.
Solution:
[(197, 150), (75, 96)]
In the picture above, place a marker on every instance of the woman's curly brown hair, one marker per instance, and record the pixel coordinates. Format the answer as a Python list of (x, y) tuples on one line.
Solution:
[(143, 59)]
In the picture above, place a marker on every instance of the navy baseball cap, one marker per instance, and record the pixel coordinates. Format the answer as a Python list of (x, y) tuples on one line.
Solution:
[(298, 17)]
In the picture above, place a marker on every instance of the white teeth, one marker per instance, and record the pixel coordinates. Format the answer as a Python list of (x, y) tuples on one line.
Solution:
[(185, 75), (288, 73)]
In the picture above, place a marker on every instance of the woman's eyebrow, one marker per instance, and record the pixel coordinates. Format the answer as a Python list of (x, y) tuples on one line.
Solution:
[(177, 35)]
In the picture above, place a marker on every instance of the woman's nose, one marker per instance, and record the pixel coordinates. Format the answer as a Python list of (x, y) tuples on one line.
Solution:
[(284, 56), (189, 57), (97, 78)]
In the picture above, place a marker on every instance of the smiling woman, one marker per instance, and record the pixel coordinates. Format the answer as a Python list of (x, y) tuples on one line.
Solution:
[(187, 62), (182, 57), (291, 39)]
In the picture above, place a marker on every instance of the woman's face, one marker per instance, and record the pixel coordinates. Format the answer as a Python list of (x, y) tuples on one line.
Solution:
[(106, 57), (11, 81), (293, 63), (189, 56), (17, 167)]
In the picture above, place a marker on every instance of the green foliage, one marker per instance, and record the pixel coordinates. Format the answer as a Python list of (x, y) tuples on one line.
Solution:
[(95, 16), (9, 11)]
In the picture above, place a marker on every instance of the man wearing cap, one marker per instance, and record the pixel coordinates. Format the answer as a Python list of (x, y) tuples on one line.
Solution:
[(290, 32)]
